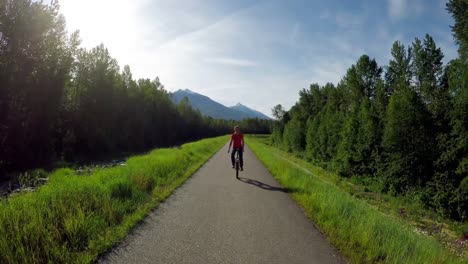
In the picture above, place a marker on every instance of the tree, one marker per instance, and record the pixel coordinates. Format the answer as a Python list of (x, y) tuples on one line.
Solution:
[(427, 67), (448, 188), (398, 74), (293, 136), (459, 9), (358, 147), (407, 143), (362, 79), (278, 112), (324, 131), (34, 65)]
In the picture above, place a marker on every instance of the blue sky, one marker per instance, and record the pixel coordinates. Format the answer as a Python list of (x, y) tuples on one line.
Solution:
[(259, 53)]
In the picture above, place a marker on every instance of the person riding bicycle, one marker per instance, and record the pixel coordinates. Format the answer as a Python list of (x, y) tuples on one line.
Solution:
[(238, 139)]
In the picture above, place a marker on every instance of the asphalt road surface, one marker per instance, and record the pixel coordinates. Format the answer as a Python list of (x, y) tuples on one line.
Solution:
[(215, 218)]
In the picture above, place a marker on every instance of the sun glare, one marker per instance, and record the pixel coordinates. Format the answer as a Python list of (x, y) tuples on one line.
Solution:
[(112, 22)]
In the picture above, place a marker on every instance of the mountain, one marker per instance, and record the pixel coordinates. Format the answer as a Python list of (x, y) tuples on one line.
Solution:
[(251, 112), (209, 107)]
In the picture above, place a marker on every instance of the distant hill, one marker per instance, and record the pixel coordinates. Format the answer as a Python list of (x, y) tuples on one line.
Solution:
[(209, 107), (251, 112)]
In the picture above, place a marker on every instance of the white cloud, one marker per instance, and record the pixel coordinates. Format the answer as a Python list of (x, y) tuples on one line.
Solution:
[(347, 20), (397, 8), (232, 62), (342, 19), (325, 14), (295, 32), (400, 9)]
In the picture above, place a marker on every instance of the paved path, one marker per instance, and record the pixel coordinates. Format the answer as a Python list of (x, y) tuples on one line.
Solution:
[(215, 218)]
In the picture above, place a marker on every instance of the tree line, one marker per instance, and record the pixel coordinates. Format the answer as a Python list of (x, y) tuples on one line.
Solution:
[(59, 101), (402, 127)]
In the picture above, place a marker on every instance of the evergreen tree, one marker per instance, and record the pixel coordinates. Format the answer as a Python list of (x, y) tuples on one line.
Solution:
[(357, 151), (407, 143), (34, 66), (324, 132), (459, 9), (293, 136), (447, 188), (427, 68), (398, 75), (312, 139), (282, 117), (362, 79)]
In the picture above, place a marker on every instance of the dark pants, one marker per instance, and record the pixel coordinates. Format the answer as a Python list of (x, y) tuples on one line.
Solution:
[(233, 156)]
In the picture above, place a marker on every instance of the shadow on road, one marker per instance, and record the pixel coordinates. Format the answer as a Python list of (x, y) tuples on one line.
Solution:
[(262, 185)]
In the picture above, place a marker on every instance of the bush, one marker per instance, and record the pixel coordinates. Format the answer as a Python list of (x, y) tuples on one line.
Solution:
[(463, 199)]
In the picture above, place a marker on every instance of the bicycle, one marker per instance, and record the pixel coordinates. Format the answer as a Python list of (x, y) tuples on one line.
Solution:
[(237, 164)]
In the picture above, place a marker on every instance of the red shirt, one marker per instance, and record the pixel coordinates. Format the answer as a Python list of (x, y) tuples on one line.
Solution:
[(237, 139)]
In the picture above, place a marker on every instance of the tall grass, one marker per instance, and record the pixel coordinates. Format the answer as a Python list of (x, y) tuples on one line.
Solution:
[(360, 231), (73, 218)]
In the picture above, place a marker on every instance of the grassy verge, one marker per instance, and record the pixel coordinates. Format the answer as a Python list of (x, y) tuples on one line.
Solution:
[(361, 232), (408, 207), (73, 218)]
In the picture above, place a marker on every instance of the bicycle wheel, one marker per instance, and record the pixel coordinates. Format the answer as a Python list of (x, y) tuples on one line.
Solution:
[(237, 165)]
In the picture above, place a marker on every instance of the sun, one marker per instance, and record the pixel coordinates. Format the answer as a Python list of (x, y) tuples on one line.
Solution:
[(104, 21)]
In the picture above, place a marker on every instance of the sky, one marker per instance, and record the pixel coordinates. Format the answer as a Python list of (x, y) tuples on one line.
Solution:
[(260, 53)]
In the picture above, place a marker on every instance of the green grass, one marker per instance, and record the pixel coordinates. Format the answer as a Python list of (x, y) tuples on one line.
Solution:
[(361, 232), (75, 218)]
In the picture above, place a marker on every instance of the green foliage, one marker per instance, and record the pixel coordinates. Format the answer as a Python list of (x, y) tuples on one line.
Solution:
[(324, 129), (358, 149), (458, 9), (407, 143), (398, 74), (74, 219), (427, 69), (256, 126), (462, 199), (278, 112), (35, 58), (293, 136), (329, 135), (277, 134), (362, 79), (312, 142), (32, 178)]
